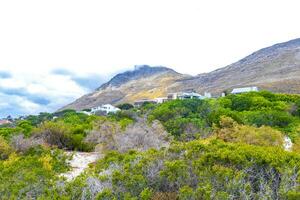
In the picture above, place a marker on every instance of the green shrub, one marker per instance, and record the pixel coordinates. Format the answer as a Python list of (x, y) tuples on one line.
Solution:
[(5, 149), (125, 106), (231, 131), (60, 134)]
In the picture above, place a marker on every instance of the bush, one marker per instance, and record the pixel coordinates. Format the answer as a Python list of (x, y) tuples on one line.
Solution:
[(230, 131), (296, 145), (201, 170), (269, 118), (186, 193), (31, 176), (125, 106), (22, 145), (59, 134), (182, 116), (5, 149)]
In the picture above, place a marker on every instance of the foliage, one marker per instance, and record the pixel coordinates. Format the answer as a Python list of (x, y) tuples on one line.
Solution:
[(225, 148), (230, 131), (125, 106), (199, 170), (279, 111), (296, 146), (5, 149), (30, 176), (180, 115), (61, 135)]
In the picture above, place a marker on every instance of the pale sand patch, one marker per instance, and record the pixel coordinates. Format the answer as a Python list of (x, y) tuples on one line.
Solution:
[(79, 162), (288, 144)]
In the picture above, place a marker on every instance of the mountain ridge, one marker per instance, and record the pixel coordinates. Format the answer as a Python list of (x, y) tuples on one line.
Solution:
[(138, 72), (275, 68)]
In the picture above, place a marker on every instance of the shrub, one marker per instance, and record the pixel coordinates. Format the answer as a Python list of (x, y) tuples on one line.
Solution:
[(201, 170), (182, 116), (22, 145), (31, 176), (186, 193), (125, 106), (146, 194), (5, 149), (59, 134), (296, 145), (230, 131)]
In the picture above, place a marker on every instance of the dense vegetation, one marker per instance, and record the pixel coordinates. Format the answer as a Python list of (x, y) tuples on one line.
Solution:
[(194, 170), (225, 148), (279, 111)]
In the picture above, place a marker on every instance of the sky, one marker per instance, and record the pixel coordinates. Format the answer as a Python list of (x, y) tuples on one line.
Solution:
[(52, 52)]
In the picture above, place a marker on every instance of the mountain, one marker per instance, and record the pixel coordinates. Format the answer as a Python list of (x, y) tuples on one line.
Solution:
[(275, 68), (144, 82)]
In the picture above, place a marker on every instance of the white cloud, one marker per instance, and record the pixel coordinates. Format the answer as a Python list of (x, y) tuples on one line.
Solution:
[(34, 94)]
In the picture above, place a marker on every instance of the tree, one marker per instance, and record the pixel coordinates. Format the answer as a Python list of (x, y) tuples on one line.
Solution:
[(125, 106)]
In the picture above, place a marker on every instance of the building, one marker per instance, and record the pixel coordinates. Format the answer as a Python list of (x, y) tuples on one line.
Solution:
[(172, 96), (106, 108), (207, 95), (4, 122), (190, 95), (244, 90), (161, 100)]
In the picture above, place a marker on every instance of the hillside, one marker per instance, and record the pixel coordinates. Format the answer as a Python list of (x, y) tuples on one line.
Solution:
[(275, 68), (144, 82), (227, 148)]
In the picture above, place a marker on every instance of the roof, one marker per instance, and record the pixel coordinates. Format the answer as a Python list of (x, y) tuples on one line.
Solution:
[(190, 94), (243, 90), (4, 121)]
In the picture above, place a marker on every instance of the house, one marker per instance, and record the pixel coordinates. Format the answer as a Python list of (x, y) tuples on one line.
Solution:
[(106, 108), (190, 95), (244, 90), (4, 122), (139, 103), (161, 100), (172, 96), (207, 95)]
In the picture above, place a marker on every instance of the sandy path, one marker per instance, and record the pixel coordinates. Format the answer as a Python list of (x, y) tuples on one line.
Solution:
[(79, 163), (288, 144)]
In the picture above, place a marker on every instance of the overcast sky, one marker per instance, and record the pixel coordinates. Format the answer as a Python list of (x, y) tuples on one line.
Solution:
[(52, 52)]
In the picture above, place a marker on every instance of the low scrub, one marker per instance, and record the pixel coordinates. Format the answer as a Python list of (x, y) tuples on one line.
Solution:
[(231, 131), (195, 170)]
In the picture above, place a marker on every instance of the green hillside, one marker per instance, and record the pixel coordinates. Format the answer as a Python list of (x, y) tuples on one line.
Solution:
[(232, 147)]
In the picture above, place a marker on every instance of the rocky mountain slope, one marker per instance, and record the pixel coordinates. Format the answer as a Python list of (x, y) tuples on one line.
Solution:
[(144, 82), (275, 68)]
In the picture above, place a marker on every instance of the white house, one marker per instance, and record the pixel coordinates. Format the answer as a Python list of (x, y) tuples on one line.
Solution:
[(244, 90), (107, 108), (161, 100), (172, 96), (4, 122), (207, 95), (190, 95)]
